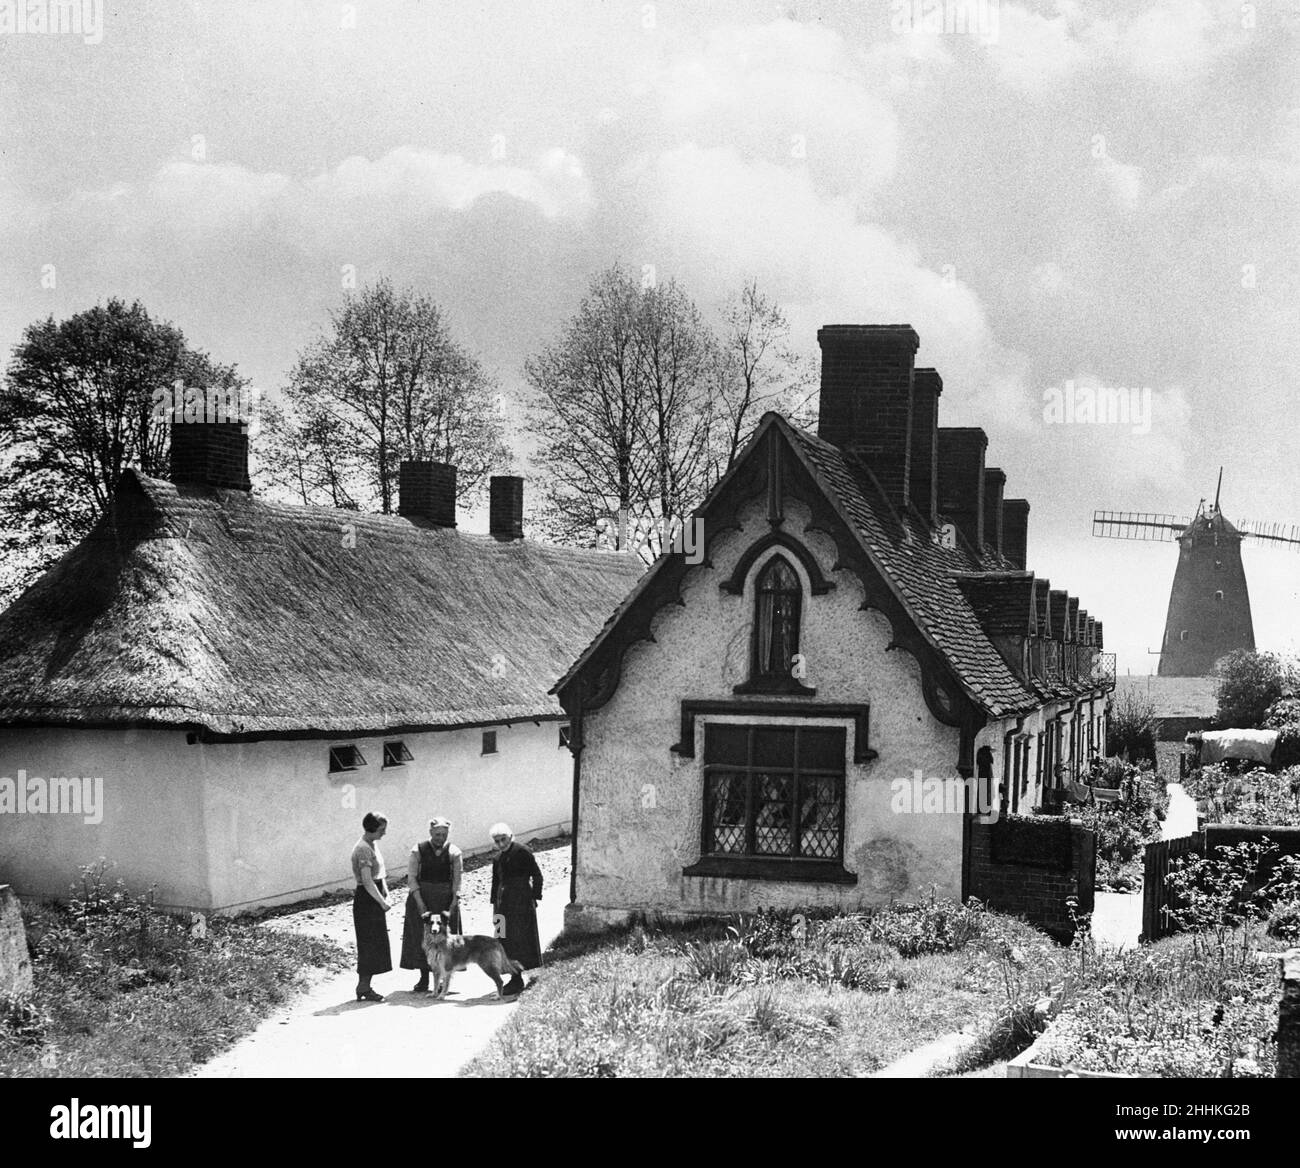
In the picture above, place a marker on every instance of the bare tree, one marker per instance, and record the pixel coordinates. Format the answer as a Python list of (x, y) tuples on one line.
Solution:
[(640, 407), (588, 413), (386, 383), (757, 371)]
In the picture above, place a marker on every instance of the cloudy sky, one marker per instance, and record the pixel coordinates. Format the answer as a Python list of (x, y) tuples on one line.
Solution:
[(1105, 192)]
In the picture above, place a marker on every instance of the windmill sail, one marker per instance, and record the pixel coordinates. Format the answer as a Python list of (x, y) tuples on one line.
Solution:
[(1283, 533), (1137, 525)]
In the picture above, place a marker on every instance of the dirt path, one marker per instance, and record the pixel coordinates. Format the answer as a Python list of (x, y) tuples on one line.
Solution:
[(327, 1032)]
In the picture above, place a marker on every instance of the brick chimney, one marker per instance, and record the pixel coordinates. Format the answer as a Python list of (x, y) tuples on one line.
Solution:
[(1096, 635), (506, 506), (210, 454), (961, 479), (866, 398), (1015, 530), (427, 490), (995, 481), (927, 385)]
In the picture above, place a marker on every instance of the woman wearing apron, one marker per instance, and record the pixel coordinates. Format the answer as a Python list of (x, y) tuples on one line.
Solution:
[(369, 906), (433, 873), (516, 889)]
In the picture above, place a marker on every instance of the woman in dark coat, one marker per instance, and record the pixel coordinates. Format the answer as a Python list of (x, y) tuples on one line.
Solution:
[(433, 873), (516, 889), (369, 906)]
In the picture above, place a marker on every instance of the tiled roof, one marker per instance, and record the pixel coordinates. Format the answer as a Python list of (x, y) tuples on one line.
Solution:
[(1003, 601), (925, 574)]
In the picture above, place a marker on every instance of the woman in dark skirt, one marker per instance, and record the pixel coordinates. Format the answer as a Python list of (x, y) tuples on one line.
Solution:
[(369, 906), (433, 873), (516, 889)]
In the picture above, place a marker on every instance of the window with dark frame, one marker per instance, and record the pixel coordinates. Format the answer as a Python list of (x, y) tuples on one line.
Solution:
[(396, 754), (346, 758), (489, 742), (564, 735), (779, 597), (774, 792)]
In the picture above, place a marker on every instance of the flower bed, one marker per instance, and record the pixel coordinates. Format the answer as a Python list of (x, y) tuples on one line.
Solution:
[(1173, 1010)]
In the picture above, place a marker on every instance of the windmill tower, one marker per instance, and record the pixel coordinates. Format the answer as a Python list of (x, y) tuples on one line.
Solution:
[(1209, 603)]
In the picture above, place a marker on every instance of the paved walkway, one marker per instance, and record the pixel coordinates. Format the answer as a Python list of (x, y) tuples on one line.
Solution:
[(328, 1033), (1117, 916)]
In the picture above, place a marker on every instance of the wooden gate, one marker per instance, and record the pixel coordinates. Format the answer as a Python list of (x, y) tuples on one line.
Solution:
[(1155, 896)]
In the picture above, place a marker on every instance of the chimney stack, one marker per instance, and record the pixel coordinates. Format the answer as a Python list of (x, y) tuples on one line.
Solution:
[(210, 454), (995, 481), (927, 385), (506, 506), (427, 490), (866, 398), (1015, 530), (961, 480)]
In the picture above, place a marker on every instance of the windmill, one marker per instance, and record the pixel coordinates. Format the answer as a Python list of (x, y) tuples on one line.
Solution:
[(1209, 604)]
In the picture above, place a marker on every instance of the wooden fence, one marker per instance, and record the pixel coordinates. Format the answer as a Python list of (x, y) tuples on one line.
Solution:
[(1155, 895)]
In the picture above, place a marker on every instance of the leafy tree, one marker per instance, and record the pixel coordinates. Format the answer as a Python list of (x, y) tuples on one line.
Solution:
[(385, 382), (1249, 683), (76, 409)]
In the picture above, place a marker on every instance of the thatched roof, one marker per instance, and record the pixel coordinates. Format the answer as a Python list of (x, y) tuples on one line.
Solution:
[(219, 611)]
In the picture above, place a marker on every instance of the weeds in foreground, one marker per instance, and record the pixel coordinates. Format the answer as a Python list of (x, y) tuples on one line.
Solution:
[(123, 988)]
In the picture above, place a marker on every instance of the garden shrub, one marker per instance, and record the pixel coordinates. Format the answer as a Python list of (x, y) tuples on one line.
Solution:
[(1250, 683), (941, 926), (1131, 727)]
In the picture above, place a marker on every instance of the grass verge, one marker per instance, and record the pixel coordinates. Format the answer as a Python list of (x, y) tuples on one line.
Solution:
[(124, 989)]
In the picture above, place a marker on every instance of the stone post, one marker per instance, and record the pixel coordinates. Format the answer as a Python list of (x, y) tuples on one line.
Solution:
[(1288, 1018), (15, 964)]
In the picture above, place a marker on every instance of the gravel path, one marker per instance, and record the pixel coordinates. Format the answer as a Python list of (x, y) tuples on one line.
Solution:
[(326, 1032)]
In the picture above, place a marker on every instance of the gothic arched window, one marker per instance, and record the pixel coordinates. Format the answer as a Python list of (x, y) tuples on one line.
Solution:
[(779, 598)]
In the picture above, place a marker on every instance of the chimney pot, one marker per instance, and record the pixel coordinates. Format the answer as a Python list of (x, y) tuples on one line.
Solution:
[(995, 481), (866, 398), (506, 506), (961, 480), (210, 454), (1015, 530), (927, 385), (427, 490)]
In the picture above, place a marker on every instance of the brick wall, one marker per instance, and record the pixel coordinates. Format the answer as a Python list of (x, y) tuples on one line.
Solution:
[(1029, 866)]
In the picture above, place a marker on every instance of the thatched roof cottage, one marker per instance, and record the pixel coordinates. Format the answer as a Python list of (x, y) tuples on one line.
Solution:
[(248, 678)]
